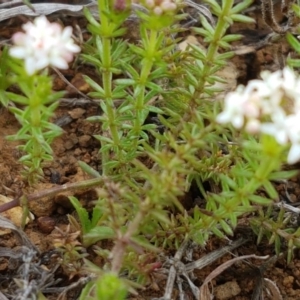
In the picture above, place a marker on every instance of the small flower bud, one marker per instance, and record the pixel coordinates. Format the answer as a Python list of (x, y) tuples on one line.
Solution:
[(121, 5), (150, 3), (157, 10)]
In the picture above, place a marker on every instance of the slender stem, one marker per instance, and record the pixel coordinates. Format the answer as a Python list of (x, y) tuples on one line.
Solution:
[(102, 7), (119, 249), (212, 50), (107, 82), (147, 65), (82, 185)]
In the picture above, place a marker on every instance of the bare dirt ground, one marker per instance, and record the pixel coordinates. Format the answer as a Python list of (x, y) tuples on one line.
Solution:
[(77, 143)]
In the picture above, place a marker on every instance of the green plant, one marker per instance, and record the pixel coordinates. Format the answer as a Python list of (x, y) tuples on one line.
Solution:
[(38, 47), (72, 252), (91, 232), (148, 165)]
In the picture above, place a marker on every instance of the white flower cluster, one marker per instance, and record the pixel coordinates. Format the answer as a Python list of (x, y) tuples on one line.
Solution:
[(270, 106), (161, 6), (44, 44)]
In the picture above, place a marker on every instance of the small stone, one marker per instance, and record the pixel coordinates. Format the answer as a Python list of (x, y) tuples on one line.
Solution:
[(42, 207), (77, 113), (68, 144), (71, 141), (227, 290), (288, 281), (46, 224), (77, 151), (80, 84), (55, 176), (84, 139), (86, 158)]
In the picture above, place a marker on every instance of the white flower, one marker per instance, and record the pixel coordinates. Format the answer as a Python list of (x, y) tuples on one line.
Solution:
[(233, 111), (269, 106), (161, 6), (44, 44)]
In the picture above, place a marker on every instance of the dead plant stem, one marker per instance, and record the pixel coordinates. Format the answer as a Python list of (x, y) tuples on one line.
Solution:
[(54, 191)]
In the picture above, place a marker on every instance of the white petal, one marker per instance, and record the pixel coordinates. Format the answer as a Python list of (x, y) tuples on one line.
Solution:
[(66, 33), (223, 117), (73, 47), (279, 133), (59, 62), (253, 126), (30, 66), (294, 154), (18, 52), (238, 121)]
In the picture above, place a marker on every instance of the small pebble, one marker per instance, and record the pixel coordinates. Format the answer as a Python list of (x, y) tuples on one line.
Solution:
[(77, 113), (46, 224)]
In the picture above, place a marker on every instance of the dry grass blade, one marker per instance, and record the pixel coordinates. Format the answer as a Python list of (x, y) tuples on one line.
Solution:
[(266, 286), (272, 289), (267, 10), (211, 257), (204, 293), (258, 287), (76, 9), (2, 297), (46, 9), (11, 3), (172, 272), (203, 10), (261, 284), (65, 80), (7, 224)]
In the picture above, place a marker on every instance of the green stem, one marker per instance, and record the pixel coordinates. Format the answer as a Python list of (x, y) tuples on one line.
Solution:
[(102, 7), (212, 50), (147, 65), (35, 119), (220, 30), (107, 82)]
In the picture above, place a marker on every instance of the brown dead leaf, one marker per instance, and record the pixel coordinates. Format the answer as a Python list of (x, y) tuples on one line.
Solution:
[(204, 293)]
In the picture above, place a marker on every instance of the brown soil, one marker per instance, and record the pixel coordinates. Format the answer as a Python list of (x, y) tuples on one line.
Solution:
[(78, 143)]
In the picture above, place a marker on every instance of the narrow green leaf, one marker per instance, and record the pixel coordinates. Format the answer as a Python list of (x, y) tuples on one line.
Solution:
[(95, 85), (89, 170), (270, 190), (218, 233), (242, 19), (232, 37), (82, 214), (105, 139), (125, 82), (260, 200), (295, 43), (241, 6), (214, 6), (137, 50), (226, 227), (296, 9), (281, 175), (100, 233), (145, 244)]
